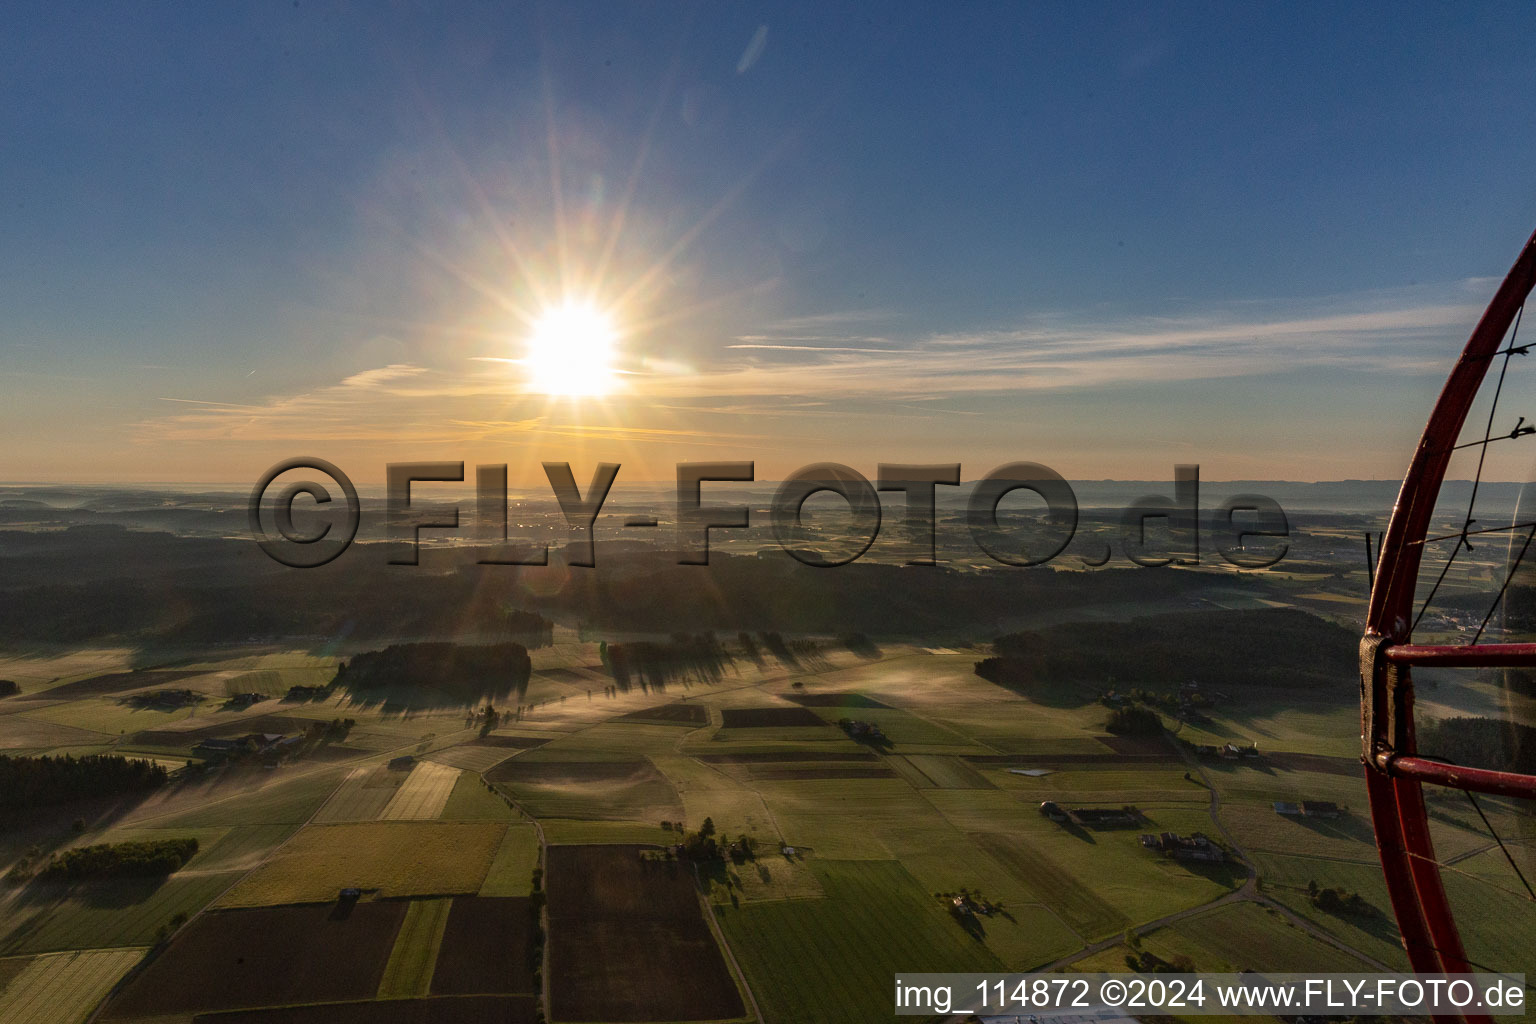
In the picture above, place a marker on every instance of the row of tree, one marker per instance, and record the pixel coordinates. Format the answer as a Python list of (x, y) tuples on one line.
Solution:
[(706, 845)]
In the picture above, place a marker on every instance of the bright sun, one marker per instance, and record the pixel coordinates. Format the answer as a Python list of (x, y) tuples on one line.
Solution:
[(570, 352)]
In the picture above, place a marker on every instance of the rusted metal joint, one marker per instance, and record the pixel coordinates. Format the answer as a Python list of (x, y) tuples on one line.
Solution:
[(1386, 704)]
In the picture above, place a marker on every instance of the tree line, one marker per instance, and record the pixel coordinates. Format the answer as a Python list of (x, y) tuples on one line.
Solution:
[(1221, 650), (30, 782), (1480, 743)]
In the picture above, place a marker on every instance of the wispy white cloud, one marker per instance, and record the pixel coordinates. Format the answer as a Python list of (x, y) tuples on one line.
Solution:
[(487, 399), (809, 348), (1054, 355)]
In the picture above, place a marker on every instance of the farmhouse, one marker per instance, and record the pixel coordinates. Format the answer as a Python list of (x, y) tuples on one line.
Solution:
[(1197, 847), (867, 731), (1104, 817), (1092, 817), (251, 743), (218, 746), (1308, 809)]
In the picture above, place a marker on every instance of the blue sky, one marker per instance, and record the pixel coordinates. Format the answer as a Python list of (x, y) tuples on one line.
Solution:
[(1106, 238)]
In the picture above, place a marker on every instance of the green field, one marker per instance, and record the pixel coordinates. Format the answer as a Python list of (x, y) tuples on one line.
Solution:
[(117, 912), (409, 971), (362, 796), (511, 870), (832, 959), (571, 832), (389, 858), (1286, 878), (282, 802), (472, 800), (584, 790), (1247, 936)]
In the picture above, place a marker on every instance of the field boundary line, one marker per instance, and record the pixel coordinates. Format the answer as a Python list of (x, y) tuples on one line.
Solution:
[(730, 955), (154, 951)]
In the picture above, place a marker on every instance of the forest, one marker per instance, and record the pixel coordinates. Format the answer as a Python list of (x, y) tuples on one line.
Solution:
[(461, 673), (1480, 743), (110, 860), (1222, 651), (29, 782)]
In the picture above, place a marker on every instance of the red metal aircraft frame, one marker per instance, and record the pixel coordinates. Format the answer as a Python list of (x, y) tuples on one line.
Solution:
[(1395, 774)]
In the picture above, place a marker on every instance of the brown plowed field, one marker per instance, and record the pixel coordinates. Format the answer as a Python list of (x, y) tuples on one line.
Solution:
[(628, 941), (231, 959), (485, 948)]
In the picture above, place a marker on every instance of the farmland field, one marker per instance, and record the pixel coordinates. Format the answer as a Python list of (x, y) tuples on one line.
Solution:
[(831, 960), (390, 858), (833, 700), (267, 956), (511, 870), (473, 799), (660, 959), (769, 718), (363, 796), (471, 757), (791, 772), (486, 948), (669, 714), (423, 794), (116, 682), (107, 912), (409, 971), (779, 756), (939, 772), (875, 834), (60, 988), (1246, 936), (588, 789), (285, 801), (461, 1010), (36, 673)]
